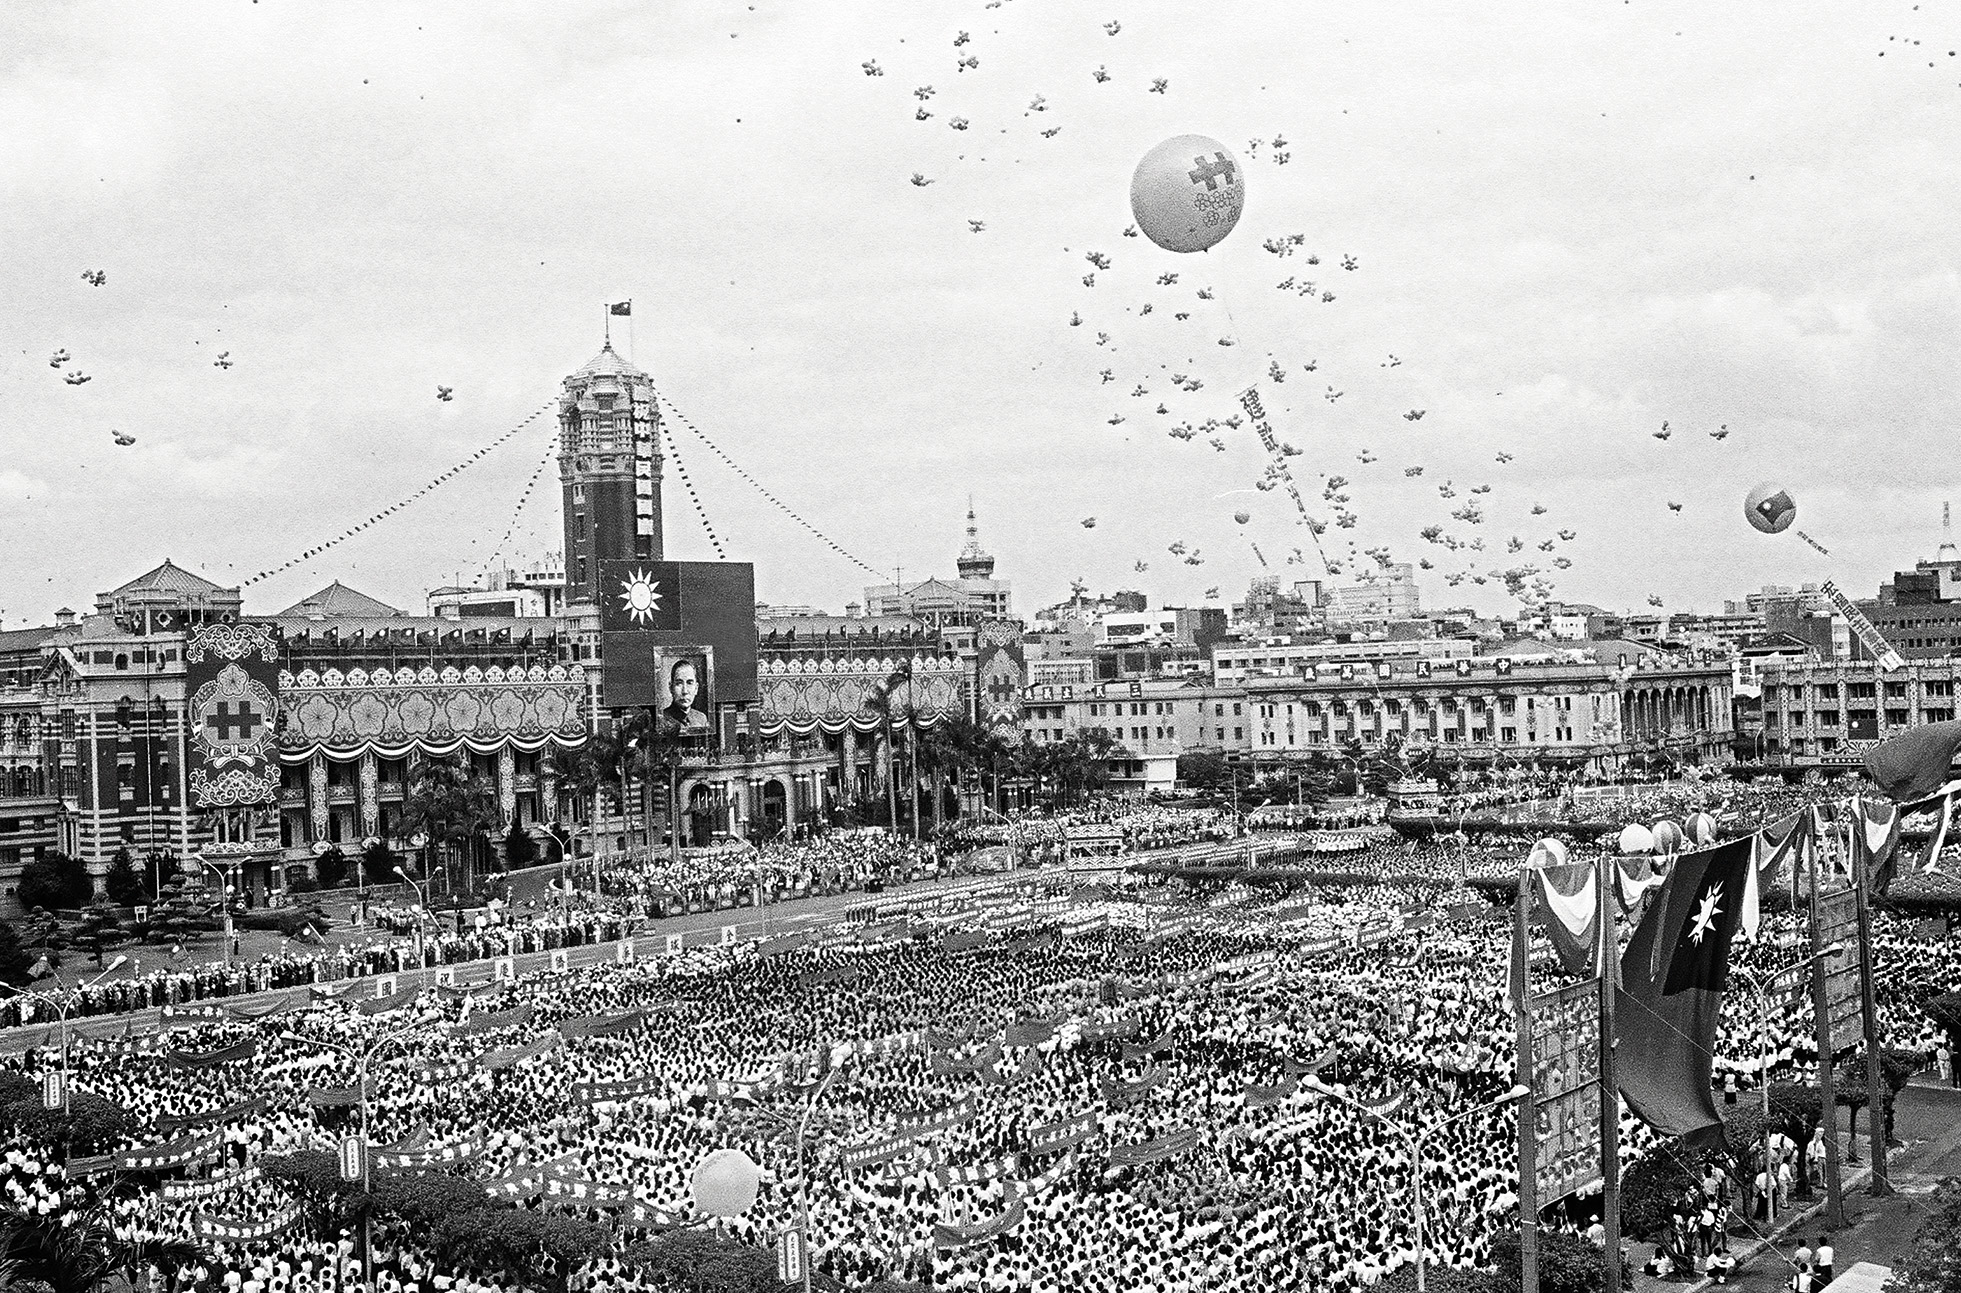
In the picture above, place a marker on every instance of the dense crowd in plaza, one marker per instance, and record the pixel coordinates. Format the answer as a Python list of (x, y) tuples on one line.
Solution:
[(1183, 1026)]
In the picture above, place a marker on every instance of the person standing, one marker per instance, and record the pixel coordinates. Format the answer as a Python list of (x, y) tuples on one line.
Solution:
[(1824, 1257)]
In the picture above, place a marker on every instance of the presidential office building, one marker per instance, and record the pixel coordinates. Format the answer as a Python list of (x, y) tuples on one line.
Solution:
[(1592, 710), (97, 722)]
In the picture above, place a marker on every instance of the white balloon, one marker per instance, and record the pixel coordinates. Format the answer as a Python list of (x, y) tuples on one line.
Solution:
[(1701, 829), (1635, 838), (724, 1183), (1547, 852), (1187, 193)]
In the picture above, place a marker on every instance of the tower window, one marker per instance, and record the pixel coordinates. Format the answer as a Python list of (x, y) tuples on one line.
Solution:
[(578, 492)]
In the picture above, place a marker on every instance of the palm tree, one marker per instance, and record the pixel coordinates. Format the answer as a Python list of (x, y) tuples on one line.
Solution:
[(880, 701), (452, 805), (589, 769), (653, 748)]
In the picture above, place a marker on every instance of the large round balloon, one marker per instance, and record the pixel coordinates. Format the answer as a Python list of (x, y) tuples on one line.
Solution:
[(1667, 837), (1636, 839), (1770, 508), (724, 1183), (1187, 193), (1549, 851), (1701, 829)]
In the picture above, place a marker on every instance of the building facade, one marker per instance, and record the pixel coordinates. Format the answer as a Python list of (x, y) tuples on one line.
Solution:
[(1596, 716), (1829, 713), (1152, 722), (1237, 662)]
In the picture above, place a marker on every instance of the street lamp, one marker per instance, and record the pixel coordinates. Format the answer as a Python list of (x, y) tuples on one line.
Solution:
[(803, 1175), (61, 1010), (362, 1059), (224, 899), (423, 898), (1761, 989), (564, 884), (1413, 1139)]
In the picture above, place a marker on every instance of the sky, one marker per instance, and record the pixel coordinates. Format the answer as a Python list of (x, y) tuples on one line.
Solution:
[(1568, 226)]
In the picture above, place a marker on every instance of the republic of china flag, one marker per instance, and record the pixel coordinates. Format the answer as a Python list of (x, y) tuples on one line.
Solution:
[(1671, 996)]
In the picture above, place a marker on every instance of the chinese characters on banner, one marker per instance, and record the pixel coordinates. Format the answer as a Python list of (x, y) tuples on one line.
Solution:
[(1566, 1089), (1838, 923)]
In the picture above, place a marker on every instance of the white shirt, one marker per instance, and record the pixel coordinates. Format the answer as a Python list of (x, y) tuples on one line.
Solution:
[(1825, 1254)]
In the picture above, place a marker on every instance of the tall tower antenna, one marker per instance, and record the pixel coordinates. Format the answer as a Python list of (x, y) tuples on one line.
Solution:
[(1948, 553)]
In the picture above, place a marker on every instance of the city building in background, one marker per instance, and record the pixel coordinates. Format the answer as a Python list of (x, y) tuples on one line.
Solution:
[(535, 592), (971, 598), (1389, 594), (1617, 711)]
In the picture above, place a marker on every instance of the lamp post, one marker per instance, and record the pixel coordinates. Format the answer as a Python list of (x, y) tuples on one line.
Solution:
[(61, 1009), (1761, 990), (423, 898), (803, 1174), (1413, 1139), (564, 886), (224, 900), (362, 1059)]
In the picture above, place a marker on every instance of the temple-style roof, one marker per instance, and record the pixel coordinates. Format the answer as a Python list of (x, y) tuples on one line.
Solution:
[(167, 578), (338, 601)]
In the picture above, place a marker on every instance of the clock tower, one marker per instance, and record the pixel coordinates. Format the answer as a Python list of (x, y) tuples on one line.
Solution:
[(609, 473)]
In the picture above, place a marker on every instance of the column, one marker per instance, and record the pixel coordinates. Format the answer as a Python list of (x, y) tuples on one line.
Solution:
[(370, 796), (848, 763), (316, 796), (507, 785)]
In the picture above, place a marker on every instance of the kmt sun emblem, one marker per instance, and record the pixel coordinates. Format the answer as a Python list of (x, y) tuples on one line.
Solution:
[(640, 597)]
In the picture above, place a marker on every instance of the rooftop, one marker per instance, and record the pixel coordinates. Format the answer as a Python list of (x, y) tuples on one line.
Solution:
[(167, 578), (338, 601), (607, 363)]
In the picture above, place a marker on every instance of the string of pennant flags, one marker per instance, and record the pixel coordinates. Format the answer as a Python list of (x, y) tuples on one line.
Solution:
[(523, 500), (435, 482), (674, 452), (758, 486)]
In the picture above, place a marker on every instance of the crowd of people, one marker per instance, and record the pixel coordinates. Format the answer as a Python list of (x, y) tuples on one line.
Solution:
[(1116, 1092)]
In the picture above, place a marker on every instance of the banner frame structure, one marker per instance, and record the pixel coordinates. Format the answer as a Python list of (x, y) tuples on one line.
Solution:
[(1601, 986), (1528, 1108), (1822, 1038), (1880, 1184)]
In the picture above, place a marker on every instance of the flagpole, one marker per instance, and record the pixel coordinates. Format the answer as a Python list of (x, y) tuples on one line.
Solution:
[(1607, 965), (1822, 1026), (1528, 1108)]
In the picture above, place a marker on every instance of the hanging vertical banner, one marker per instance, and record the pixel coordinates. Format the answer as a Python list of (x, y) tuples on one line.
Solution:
[(1566, 1089), (1000, 673), (231, 675), (1838, 925)]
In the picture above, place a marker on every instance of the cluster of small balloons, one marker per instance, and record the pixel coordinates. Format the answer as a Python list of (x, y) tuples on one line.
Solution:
[(1668, 838)]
